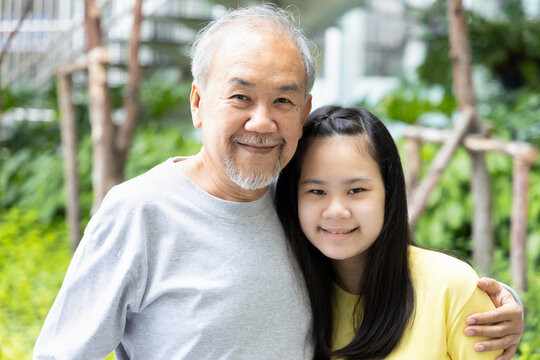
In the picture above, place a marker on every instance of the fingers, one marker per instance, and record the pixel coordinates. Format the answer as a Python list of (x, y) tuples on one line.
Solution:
[(489, 285), (508, 312), (494, 331), (508, 354), (508, 343)]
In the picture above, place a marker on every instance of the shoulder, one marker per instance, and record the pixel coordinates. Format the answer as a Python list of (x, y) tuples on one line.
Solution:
[(152, 182), (134, 200), (430, 267)]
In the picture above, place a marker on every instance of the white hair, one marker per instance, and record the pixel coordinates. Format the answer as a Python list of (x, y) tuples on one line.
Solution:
[(205, 43)]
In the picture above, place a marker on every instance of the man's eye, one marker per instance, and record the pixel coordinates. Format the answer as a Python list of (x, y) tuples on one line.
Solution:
[(240, 97), (316, 192), (283, 101), (356, 190)]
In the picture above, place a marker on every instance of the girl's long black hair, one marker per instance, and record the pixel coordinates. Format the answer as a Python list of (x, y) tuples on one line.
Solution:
[(386, 288)]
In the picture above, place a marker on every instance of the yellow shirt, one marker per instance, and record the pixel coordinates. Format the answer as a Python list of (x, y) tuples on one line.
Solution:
[(445, 295)]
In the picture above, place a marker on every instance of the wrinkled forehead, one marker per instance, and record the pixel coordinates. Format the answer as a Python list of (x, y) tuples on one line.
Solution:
[(259, 46)]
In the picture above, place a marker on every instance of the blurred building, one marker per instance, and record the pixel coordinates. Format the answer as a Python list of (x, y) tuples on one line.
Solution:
[(364, 44)]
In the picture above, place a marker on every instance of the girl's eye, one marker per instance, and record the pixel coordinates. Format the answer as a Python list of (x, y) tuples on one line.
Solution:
[(356, 190), (316, 192)]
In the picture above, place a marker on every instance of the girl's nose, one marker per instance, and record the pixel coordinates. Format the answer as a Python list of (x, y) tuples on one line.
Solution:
[(337, 209)]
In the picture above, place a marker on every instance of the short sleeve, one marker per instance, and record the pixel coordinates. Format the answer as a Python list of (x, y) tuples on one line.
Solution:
[(101, 287), (461, 346)]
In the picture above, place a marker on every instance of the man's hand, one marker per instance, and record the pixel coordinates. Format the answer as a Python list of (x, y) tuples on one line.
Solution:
[(504, 324)]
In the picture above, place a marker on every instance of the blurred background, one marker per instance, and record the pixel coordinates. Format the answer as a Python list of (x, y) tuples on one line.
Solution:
[(387, 55)]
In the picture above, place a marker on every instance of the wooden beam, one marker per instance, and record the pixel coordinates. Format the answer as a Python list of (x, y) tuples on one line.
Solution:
[(98, 54), (443, 157), (515, 149)]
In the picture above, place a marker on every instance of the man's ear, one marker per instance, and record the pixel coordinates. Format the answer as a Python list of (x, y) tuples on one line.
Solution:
[(307, 108), (195, 100)]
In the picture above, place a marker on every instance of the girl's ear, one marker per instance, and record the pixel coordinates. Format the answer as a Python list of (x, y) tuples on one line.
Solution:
[(195, 100)]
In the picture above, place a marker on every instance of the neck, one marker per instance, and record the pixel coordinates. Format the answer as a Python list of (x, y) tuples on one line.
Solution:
[(216, 182), (349, 274)]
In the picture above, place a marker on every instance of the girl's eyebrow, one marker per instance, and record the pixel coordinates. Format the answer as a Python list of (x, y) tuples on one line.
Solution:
[(357, 179), (313, 182), (344, 182)]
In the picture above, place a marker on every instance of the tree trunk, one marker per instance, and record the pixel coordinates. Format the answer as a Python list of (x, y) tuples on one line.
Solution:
[(100, 109), (69, 147), (131, 101), (412, 154), (518, 227), (460, 50)]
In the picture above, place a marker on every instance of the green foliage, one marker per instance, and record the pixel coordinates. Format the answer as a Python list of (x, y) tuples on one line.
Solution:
[(446, 223), (509, 46), (33, 260), (31, 176), (154, 144), (516, 115), (410, 101), (44, 97), (163, 95)]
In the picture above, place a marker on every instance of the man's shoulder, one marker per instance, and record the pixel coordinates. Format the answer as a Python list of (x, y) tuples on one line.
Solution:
[(147, 185), (135, 196)]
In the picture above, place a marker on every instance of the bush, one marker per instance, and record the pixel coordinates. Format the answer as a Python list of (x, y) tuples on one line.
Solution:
[(33, 260)]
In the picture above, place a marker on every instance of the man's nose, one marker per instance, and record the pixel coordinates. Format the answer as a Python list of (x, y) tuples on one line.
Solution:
[(261, 121)]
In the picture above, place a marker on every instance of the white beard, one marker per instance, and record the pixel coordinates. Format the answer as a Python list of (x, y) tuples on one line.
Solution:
[(252, 181)]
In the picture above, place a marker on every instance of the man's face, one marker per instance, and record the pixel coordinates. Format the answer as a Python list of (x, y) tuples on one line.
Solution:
[(251, 108)]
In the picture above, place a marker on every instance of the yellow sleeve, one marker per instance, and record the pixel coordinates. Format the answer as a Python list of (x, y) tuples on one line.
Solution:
[(461, 346)]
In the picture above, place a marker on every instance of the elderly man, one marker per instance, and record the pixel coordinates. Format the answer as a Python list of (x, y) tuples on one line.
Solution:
[(189, 261)]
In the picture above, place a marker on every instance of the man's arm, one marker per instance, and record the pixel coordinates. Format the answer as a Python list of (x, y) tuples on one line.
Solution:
[(504, 324)]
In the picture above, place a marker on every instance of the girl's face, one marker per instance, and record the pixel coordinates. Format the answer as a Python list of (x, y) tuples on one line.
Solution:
[(340, 198)]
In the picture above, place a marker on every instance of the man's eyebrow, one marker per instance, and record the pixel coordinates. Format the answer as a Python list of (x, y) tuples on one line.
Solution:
[(294, 87), (289, 87), (239, 81)]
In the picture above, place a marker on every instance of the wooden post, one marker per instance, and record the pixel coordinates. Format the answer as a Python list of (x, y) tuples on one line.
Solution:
[(131, 101), (412, 174), (100, 109), (483, 238), (68, 127), (518, 225)]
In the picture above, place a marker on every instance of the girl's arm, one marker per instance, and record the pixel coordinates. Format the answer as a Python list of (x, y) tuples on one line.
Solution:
[(504, 325)]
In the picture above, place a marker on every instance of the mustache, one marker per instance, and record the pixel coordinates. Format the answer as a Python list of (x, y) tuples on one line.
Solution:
[(257, 140)]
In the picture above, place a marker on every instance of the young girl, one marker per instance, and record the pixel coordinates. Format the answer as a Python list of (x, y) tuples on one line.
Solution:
[(374, 294)]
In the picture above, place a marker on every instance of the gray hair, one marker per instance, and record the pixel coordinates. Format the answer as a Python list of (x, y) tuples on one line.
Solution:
[(205, 43)]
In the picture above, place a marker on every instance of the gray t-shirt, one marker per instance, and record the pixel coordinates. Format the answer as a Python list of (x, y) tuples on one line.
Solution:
[(167, 271)]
